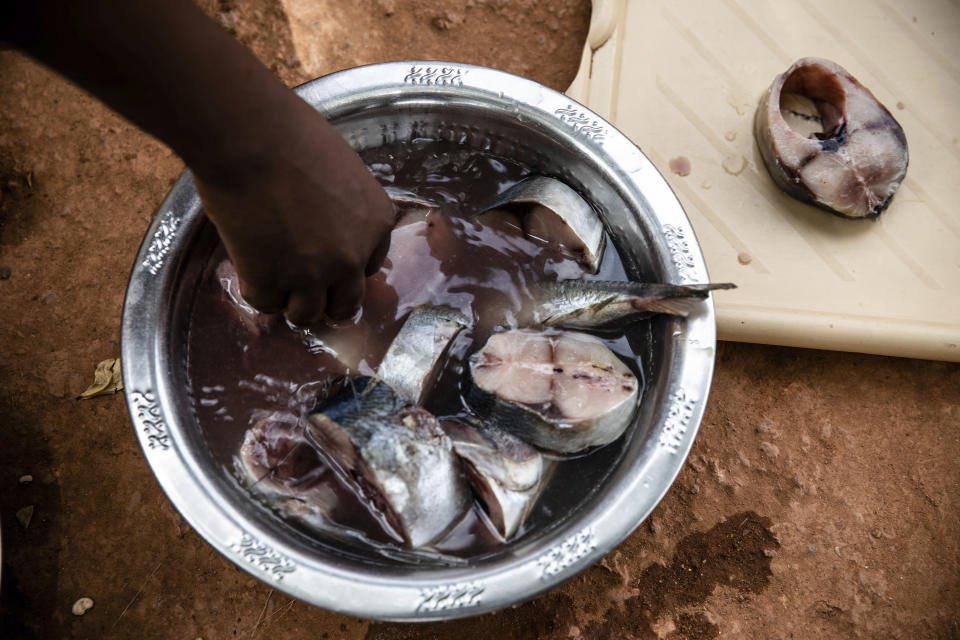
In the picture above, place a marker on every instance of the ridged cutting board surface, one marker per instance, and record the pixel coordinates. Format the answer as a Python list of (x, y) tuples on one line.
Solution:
[(684, 79)]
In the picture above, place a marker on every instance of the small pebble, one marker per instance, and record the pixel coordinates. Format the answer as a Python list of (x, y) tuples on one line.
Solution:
[(444, 21), (81, 606), (744, 258), (770, 553), (812, 548), (25, 480), (770, 450)]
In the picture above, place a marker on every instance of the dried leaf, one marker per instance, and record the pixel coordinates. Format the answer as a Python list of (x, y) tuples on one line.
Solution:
[(107, 380), (24, 516)]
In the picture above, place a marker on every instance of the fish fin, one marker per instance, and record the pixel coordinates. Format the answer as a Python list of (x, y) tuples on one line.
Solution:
[(671, 306), (710, 286), (677, 300)]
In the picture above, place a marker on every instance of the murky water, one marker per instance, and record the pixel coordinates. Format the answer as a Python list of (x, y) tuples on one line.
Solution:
[(245, 366)]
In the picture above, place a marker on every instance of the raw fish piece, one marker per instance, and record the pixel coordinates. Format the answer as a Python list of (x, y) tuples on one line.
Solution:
[(825, 139), (502, 221), (396, 457), (559, 390), (594, 304), (411, 363), (282, 467), (506, 473), (422, 241), (555, 215), (405, 201), (410, 277)]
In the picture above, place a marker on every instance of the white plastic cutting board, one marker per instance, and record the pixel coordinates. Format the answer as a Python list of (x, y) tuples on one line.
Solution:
[(684, 78)]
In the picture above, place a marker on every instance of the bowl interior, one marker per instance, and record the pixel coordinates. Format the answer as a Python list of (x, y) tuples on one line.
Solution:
[(472, 124)]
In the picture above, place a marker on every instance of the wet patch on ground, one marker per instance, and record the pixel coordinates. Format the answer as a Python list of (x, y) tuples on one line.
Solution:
[(734, 553)]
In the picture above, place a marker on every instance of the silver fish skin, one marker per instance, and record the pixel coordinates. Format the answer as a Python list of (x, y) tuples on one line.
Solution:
[(552, 213), (562, 391), (853, 158), (411, 364), (506, 473), (279, 465), (396, 457), (594, 304)]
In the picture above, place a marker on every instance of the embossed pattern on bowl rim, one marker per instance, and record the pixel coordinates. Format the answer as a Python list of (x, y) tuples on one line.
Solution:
[(164, 430)]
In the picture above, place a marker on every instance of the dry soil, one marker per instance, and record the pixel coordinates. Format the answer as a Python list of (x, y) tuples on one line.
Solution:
[(821, 498)]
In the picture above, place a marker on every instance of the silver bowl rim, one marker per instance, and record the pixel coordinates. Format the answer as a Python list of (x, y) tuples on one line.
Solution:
[(457, 592)]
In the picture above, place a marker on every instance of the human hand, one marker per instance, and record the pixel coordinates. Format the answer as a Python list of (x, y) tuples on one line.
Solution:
[(300, 215), (303, 221)]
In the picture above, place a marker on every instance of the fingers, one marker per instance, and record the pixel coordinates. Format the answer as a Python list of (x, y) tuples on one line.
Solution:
[(306, 307), (344, 298), (378, 256), (309, 299), (263, 299)]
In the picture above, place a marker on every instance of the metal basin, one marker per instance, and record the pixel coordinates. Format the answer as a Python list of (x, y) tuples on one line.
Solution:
[(579, 518)]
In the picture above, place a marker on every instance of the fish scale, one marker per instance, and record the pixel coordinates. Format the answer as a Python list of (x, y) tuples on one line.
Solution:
[(601, 304), (396, 455)]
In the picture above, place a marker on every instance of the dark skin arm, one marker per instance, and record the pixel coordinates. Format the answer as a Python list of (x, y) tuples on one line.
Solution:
[(301, 217)]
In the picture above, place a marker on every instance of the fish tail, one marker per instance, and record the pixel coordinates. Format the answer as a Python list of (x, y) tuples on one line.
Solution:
[(698, 290), (648, 289), (677, 300), (671, 306)]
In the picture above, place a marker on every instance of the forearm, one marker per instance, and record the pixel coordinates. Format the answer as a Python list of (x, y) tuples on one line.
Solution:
[(164, 66), (297, 210)]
